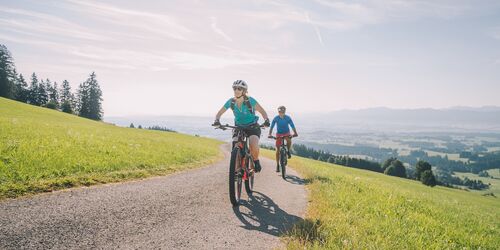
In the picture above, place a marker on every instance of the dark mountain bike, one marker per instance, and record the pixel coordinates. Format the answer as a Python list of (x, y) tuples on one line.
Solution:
[(283, 153), (241, 167)]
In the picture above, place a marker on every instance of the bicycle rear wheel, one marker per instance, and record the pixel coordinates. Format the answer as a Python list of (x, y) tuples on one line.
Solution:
[(235, 177), (283, 162)]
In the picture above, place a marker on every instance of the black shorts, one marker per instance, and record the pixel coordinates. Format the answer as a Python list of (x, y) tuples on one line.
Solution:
[(249, 131)]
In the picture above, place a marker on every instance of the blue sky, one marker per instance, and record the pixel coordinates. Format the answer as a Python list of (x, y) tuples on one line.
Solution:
[(180, 57)]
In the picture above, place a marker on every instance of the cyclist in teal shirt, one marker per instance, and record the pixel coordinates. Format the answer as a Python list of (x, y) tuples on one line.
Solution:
[(244, 108)]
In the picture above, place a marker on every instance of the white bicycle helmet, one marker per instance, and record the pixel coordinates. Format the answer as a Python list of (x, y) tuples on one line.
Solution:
[(240, 83)]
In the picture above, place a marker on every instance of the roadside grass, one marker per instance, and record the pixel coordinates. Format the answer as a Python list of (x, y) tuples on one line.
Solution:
[(43, 150), (356, 209)]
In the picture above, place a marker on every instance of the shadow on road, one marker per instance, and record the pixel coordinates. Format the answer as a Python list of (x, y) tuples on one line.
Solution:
[(262, 214), (295, 180)]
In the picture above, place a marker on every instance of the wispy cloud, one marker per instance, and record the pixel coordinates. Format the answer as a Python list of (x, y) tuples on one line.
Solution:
[(318, 33), (45, 24), (218, 31), (348, 15), (143, 21)]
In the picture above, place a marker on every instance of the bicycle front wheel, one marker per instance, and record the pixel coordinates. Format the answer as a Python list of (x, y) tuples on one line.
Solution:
[(235, 177), (249, 181), (283, 162)]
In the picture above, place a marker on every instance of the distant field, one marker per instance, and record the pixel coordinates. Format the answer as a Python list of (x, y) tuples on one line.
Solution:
[(452, 157), (494, 172), (43, 150), (493, 149), (495, 183), (357, 209)]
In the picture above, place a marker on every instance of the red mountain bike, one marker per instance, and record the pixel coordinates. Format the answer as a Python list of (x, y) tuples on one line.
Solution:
[(282, 153), (241, 167)]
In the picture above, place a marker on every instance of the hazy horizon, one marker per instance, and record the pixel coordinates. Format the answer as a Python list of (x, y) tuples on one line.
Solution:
[(180, 57)]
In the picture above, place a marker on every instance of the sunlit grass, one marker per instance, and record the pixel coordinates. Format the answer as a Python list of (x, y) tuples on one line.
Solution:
[(43, 150), (356, 209)]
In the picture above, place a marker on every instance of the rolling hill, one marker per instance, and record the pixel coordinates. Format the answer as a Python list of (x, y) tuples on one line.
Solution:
[(43, 150)]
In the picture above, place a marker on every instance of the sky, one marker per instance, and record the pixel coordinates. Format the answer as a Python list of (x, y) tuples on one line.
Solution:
[(181, 57)]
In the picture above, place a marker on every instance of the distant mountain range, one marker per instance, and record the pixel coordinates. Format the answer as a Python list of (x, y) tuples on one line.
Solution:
[(456, 118), (381, 119)]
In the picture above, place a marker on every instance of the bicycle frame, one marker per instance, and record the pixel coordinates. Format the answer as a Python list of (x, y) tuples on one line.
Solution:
[(282, 144), (239, 166), (243, 144)]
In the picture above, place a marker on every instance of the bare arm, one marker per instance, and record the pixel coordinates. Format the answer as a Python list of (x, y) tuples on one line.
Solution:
[(262, 111), (220, 113)]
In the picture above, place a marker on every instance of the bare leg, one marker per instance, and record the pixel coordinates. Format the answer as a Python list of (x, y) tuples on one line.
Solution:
[(254, 147), (289, 143)]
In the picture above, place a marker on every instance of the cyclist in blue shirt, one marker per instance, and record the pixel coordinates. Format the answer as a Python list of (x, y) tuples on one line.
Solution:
[(244, 108), (283, 123)]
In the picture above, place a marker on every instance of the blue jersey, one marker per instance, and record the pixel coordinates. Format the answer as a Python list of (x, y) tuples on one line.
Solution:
[(283, 124)]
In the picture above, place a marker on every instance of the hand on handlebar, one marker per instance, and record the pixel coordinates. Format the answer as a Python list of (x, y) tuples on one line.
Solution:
[(216, 123), (266, 123)]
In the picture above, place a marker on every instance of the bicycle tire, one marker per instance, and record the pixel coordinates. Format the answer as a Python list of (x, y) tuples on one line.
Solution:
[(249, 181), (235, 179), (283, 162)]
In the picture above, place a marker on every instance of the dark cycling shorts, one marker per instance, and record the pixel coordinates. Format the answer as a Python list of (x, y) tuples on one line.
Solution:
[(249, 131)]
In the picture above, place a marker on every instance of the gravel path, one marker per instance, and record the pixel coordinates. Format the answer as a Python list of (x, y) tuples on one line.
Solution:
[(190, 209)]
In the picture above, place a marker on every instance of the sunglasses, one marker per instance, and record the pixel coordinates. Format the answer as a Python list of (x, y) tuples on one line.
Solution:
[(238, 88)]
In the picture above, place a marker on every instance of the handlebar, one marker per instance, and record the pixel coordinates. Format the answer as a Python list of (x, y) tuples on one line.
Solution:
[(226, 126), (276, 138)]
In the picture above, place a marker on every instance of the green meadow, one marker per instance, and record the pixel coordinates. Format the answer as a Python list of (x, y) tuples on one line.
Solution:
[(356, 209), (43, 150)]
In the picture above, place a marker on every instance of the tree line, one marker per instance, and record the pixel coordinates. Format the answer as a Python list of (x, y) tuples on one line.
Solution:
[(85, 102), (155, 127), (422, 170)]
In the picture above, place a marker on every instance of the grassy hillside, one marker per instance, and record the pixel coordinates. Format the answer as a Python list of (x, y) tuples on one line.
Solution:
[(357, 209), (43, 150)]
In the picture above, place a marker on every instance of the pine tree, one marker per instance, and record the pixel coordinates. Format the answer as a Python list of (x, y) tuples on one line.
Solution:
[(67, 98), (22, 91), (82, 100), (7, 74), (90, 98), (95, 98), (43, 97), (33, 91), (53, 95)]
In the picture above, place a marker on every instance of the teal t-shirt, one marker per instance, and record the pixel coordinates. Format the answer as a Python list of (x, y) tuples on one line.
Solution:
[(243, 116)]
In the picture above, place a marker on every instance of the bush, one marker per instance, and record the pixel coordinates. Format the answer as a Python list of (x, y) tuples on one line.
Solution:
[(66, 107), (420, 168), (427, 178), (51, 105), (396, 169)]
